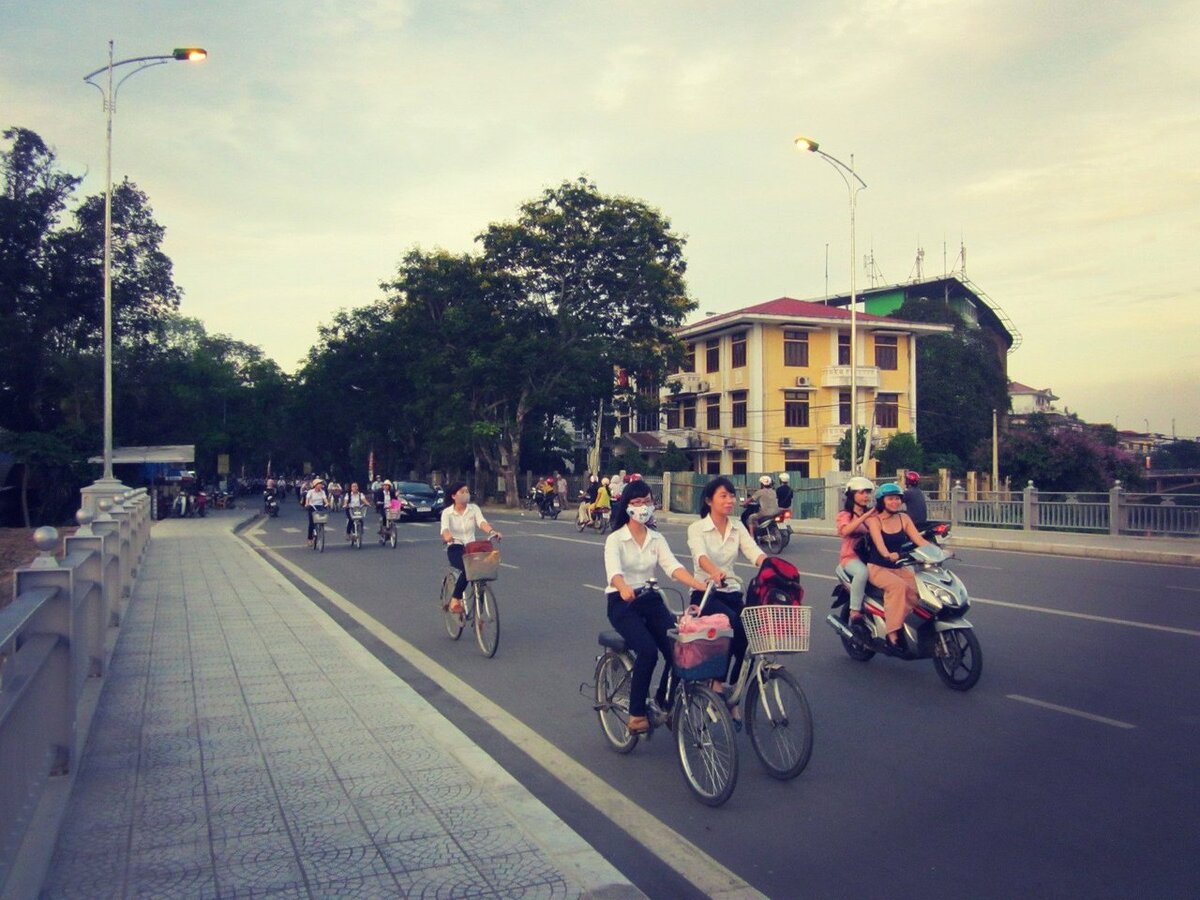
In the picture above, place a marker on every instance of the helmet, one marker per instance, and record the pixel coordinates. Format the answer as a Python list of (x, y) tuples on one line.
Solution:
[(858, 483), (886, 489), (784, 477), (765, 481), (911, 477), (604, 481)]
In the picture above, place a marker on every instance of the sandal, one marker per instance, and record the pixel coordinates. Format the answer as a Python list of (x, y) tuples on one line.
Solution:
[(456, 606), (638, 725)]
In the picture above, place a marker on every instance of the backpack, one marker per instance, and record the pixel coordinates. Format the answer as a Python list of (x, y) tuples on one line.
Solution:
[(862, 547), (777, 581)]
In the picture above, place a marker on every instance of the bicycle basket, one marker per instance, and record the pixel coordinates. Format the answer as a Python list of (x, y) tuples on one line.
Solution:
[(482, 566), (393, 513), (358, 512), (320, 517), (702, 654), (777, 629)]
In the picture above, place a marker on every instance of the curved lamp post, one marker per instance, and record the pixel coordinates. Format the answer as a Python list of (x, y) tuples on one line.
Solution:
[(109, 91), (847, 173)]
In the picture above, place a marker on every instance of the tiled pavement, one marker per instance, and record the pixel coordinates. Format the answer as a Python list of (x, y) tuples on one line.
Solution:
[(245, 745)]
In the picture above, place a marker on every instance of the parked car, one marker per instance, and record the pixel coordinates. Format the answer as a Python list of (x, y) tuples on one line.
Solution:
[(420, 500)]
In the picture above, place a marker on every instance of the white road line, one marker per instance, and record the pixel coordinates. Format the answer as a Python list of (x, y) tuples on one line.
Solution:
[(690, 862), (1092, 717), (1180, 587), (505, 565), (289, 528), (1190, 632)]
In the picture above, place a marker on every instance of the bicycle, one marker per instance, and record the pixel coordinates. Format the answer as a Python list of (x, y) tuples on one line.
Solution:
[(388, 530), (481, 561), (319, 516), (777, 716), (357, 515), (699, 717)]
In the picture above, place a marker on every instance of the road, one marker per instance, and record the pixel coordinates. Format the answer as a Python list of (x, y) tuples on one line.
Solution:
[(1068, 771)]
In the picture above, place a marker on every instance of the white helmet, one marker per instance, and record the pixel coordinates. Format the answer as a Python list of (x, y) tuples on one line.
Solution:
[(784, 477), (858, 483), (765, 481)]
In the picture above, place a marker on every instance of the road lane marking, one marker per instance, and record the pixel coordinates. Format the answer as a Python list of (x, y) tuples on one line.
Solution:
[(1092, 717), (1190, 632), (675, 851), (1180, 587), (508, 566), (595, 587)]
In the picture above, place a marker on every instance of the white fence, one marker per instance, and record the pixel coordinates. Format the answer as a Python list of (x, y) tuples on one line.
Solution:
[(56, 638)]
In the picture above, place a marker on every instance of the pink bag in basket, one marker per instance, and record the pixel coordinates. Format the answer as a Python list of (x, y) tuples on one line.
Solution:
[(692, 622)]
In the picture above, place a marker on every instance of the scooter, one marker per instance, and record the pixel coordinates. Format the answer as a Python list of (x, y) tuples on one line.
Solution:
[(549, 506), (201, 504), (773, 534), (599, 519), (270, 504), (936, 628)]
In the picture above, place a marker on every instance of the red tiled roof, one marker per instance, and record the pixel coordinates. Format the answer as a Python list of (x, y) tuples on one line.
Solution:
[(791, 308)]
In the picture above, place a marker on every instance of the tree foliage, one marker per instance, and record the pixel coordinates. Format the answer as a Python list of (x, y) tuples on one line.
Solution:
[(960, 380), (1062, 459), (1177, 455), (903, 451)]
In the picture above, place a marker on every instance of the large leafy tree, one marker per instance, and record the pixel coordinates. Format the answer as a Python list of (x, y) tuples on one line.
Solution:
[(960, 380), (1063, 459)]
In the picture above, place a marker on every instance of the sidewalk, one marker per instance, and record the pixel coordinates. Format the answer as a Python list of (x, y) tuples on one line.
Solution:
[(245, 745)]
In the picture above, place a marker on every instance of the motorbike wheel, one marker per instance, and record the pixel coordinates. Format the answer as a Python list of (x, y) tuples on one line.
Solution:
[(785, 535), (780, 725), (962, 663), (772, 540), (854, 651), (604, 523), (614, 675)]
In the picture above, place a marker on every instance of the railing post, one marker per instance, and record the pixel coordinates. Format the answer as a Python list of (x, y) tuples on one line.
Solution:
[(98, 615), (1029, 507), (1116, 508), (123, 550), (958, 504)]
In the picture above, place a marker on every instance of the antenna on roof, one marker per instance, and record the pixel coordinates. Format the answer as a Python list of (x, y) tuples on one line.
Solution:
[(872, 267), (919, 265), (826, 300)]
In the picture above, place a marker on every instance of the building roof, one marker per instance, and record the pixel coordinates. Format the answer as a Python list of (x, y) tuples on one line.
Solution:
[(1015, 387), (789, 310)]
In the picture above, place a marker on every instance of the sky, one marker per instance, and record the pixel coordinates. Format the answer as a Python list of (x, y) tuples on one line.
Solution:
[(1058, 144)]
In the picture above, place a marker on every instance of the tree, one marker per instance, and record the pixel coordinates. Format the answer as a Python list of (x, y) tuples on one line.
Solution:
[(842, 451), (902, 452), (960, 381), (674, 459), (1177, 455), (1062, 459)]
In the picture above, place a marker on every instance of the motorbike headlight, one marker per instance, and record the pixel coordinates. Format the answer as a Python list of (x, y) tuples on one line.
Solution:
[(944, 596)]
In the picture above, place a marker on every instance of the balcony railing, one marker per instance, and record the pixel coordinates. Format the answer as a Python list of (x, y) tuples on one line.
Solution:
[(839, 376)]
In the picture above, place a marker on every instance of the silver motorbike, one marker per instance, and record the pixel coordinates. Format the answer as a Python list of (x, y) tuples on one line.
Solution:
[(936, 628)]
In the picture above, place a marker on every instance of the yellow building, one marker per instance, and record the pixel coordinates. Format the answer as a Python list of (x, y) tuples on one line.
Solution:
[(767, 388)]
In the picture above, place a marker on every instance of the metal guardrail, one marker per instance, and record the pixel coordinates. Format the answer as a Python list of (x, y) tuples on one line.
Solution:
[(56, 637)]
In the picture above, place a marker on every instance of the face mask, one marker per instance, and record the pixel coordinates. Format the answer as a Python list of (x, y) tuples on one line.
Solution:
[(641, 514), (466, 498)]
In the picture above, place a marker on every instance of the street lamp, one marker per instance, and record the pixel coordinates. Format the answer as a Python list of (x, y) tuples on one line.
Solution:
[(109, 92), (807, 145)]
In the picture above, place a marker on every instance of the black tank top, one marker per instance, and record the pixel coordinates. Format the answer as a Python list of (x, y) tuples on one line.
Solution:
[(893, 542)]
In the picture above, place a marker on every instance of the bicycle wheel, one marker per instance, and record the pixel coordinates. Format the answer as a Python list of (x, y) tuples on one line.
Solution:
[(454, 621), (705, 739), (356, 537), (614, 674), (487, 620), (779, 722), (319, 543), (392, 536)]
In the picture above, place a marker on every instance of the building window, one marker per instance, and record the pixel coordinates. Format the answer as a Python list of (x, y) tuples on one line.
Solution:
[(795, 349), (689, 358), (712, 356), (712, 413), (647, 419), (843, 407), (887, 410), (672, 417), (738, 462), (795, 409), (886, 353), (739, 409), (688, 410), (843, 350), (713, 463), (797, 461), (738, 347)]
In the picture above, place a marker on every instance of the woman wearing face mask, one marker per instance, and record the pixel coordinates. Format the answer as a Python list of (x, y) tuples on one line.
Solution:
[(631, 554), (459, 521)]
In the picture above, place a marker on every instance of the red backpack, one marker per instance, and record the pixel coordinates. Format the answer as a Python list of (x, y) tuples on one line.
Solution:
[(777, 581)]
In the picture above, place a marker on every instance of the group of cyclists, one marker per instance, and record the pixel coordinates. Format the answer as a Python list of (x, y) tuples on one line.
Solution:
[(319, 495)]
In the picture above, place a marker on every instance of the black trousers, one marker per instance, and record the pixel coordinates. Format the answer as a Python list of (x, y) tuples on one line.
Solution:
[(454, 554), (644, 623)]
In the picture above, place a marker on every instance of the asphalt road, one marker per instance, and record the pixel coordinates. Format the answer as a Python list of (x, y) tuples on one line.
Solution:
[(1069, 770)]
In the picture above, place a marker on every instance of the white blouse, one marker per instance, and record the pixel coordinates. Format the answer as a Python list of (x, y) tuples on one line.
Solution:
[(623, 556), (462, 525), (315, 497), (705, 540)]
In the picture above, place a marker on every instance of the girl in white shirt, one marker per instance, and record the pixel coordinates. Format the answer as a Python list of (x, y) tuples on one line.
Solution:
[(356, 499), (631, 554), (316, 497), (459, 521), (715, 540)]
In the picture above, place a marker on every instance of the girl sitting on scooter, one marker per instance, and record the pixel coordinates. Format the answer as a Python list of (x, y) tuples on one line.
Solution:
[(890, 531)]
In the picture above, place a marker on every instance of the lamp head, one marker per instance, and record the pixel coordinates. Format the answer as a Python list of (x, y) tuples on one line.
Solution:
[(190, 54), (807, 145)]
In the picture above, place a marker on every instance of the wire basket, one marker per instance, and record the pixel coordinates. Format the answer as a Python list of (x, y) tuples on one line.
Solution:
[(482, 566), (320, 516), (393, 514), (358, 512), (701, 655), (776, 628)]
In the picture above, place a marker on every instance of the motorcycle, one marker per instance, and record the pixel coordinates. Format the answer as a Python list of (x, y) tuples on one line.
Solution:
[(201, 504), (549, 506), (773, 534), (181, 507), (936, 628), (270, 504), (599, 518)]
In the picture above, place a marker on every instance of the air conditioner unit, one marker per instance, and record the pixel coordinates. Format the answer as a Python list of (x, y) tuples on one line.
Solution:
[(803, 381), (785, 442), (728, 442), (701, 386)]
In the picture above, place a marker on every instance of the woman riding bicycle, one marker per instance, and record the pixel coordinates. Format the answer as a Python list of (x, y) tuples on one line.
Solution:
[(315, 500), (459, 521), (715, 540), (631, 553), (356, 499)]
